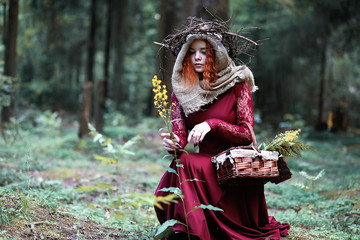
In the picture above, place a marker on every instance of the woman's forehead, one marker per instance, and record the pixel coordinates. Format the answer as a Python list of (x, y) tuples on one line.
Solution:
[(198, 43)]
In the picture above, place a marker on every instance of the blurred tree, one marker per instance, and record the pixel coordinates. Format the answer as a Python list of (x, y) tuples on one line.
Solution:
[(102, 84), (120, 13), (139, 57), (4, 18), (326, 18), (208, 9), (85, 108), (92, 41), (10, 54), (292, 66), (172, 17), (52, 58)]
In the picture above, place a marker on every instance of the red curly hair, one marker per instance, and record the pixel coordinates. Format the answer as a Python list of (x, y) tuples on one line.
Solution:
[(190, 77)]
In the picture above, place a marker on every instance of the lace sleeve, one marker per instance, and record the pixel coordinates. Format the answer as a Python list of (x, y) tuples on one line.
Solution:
[(239, 133), (179, 127)]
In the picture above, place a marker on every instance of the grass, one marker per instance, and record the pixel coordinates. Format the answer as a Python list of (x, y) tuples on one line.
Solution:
[(51, 187)]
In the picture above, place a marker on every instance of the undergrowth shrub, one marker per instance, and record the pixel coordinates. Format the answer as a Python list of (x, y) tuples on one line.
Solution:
[(11, 176), (13, 205)]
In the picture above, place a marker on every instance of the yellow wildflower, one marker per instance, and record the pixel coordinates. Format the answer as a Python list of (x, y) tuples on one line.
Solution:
[(290, 136)]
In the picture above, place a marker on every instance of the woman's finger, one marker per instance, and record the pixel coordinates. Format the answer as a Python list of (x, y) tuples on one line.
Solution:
[(165, 134), (169, 144), (190, 135)]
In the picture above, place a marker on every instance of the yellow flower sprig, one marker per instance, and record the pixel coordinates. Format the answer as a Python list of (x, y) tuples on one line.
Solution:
[(161, 100), (286, 144), (287, 137)]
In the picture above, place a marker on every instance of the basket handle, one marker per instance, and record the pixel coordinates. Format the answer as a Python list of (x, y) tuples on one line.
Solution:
[(253, 138)]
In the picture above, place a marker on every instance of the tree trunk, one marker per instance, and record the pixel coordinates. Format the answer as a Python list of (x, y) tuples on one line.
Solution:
[(5, 22), (118, 38), (10, 55), (100, 105), (92, 43), (85, 109), (102, 85), (107, 44), (321, 125), (172, 17)]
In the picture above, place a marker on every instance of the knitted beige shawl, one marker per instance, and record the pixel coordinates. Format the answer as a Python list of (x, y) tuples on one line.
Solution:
[(193, 98)]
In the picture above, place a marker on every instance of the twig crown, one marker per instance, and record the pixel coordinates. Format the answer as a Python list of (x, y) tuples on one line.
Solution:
[(235, 43)]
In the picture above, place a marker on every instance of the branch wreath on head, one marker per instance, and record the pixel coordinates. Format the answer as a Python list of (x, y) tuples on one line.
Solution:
[(235, 43)]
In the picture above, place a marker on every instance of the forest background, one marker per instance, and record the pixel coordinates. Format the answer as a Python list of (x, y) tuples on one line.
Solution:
[(66, 63)]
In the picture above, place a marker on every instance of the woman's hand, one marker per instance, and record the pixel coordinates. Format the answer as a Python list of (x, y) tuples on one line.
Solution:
[(198, 132), (169, 144)]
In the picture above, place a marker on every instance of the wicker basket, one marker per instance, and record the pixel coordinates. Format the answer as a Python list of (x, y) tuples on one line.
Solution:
[(247, 163)]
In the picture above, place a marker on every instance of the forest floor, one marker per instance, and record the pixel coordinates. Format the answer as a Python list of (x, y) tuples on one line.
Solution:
[(54, 186)]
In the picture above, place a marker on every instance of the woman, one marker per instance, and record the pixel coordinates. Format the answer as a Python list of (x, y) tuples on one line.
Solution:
[(211, 97)]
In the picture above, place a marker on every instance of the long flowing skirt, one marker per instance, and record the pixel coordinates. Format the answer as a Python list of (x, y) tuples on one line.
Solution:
[(244, 214)]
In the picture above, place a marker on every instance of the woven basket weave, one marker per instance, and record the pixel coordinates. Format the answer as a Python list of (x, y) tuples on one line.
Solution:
[(247, 163)]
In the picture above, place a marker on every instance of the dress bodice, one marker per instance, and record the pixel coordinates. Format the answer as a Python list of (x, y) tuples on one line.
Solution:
[(223, 115)]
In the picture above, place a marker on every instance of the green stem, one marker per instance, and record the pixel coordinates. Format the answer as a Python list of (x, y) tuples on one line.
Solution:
[(183, 203)]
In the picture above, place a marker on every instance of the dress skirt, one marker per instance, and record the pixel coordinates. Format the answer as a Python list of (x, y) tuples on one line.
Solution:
[(244, 214)]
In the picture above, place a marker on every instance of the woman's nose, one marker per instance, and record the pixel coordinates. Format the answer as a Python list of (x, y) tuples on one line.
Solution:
[(197, 55)]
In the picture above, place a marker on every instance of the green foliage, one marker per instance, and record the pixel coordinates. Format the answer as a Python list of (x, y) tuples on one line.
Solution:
[(165, 230), (292, 121), (7, 86), (286, 145), (10, 131), (208, 207), (170, 170), (116, 152), (13, 205), (174, 190), (9, 176), (326, 204)]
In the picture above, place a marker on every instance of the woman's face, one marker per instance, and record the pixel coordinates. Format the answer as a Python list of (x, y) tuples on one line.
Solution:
[(198, 55)]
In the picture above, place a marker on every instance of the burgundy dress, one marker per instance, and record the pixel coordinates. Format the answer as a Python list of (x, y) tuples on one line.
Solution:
[(245, 213)]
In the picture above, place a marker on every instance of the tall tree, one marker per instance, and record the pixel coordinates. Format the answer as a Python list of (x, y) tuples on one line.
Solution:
[(102, 85), (118, 38), (172, 17), (4, 17), (92, 42), (85, 108), (10, 54)]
